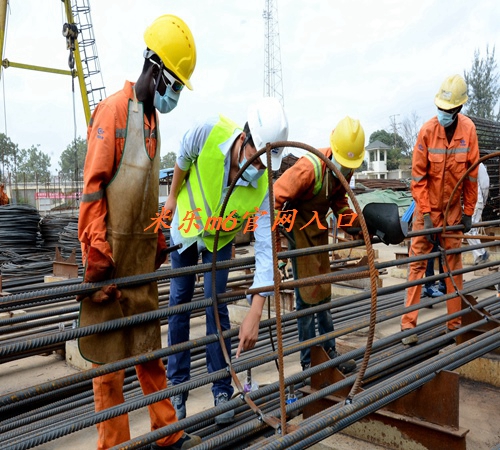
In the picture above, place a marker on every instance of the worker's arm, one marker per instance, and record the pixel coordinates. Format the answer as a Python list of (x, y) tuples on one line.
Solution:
[(249, 330), (98, 172), (419, 173), (470, 189)]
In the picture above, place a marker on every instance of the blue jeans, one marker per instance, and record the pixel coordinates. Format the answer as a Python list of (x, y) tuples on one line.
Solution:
[(181, 292), (429, 271), (307, 327)]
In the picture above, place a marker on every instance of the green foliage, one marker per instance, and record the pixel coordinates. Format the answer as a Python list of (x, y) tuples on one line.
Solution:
[(8, 157), (168, 161), (33, 165), (73, 159), (483, 86)]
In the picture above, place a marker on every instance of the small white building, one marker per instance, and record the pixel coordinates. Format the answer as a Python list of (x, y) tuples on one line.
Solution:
[(377, 160)]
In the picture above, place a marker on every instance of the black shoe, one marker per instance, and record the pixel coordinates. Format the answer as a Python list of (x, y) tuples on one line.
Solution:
[(307, 381), (185, 442), (346, 366)]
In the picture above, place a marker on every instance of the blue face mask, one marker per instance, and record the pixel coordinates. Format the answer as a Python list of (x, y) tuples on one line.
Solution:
[(346, 171), (251, 173), (445, 118), (166, 102)]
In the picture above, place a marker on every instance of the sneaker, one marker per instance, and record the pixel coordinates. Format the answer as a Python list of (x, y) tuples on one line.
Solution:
[(346, 366), (226, 417), (483, 258), (432, 291), (179, 404), (185, 442), (442, 287)]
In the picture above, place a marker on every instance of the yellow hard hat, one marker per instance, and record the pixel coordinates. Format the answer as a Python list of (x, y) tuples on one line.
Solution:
[(452, 93), (347, 142), (171, 39)]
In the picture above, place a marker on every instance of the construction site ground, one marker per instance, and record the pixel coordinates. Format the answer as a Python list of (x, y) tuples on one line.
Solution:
[(479, 402)]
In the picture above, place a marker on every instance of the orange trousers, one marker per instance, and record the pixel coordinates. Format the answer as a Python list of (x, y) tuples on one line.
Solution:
[(421, 246), (108, 392)]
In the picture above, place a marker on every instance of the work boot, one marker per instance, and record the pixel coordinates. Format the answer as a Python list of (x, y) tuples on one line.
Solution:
[(412, 339), (346, 366), (179, 404), (185, 442), (226, 417)]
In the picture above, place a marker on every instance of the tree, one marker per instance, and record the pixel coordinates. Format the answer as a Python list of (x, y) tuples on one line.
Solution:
[(168, 160), (409, 129), (9, 155), (73, 159), (33, 165), (483, 86)]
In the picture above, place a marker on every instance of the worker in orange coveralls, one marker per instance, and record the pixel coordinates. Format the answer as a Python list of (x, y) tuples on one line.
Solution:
[(311, 188), (446, 147), (120, 196), (4, 199)]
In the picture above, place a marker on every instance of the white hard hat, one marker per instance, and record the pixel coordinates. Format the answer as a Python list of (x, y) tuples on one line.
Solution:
[(268, 123)]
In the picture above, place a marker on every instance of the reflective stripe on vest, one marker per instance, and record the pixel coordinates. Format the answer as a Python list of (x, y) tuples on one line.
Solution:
[(203, 190), (318, 175)]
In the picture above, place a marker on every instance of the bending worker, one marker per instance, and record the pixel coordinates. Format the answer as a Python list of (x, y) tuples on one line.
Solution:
[(120, 196), (310, 188), (446, 147), (210, 156)]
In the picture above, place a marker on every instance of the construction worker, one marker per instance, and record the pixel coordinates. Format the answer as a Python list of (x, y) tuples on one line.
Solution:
[(480, 255), (120, 196), (209, 158), (446, 147), (311, 189), (4, 199)]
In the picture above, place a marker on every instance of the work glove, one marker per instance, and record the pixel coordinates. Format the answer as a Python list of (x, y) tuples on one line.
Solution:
[(466, 222), (105, 294), (161, 250), (427, 226), (99, 266)]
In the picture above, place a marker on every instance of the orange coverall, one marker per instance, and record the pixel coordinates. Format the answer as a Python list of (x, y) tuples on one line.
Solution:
[(4, 199), (436, 169), (105, 142)]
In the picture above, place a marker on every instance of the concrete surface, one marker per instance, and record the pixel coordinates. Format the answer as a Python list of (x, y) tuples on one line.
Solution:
[(479, 403)]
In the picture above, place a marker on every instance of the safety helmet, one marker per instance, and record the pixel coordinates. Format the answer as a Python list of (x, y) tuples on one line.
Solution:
[(171, 39), (268, 123), (452, 93), (347, 142)]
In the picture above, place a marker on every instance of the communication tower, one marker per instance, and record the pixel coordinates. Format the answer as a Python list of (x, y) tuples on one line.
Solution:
[(273, 77)]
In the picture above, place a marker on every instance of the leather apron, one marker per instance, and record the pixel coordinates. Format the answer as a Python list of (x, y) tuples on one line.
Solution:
[(132, 198), (311, 236)]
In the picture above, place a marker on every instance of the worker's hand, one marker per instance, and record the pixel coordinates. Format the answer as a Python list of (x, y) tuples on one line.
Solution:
[(249, 330), (427, 226), (466, 222), (99, 266), (170, 204), (105, 294), (161, 250)]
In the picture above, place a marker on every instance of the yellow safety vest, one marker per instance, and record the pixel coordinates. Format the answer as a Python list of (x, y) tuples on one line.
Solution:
[(199, 202)]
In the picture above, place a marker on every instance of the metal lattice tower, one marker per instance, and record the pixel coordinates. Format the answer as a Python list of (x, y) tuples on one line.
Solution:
[(273, 77)]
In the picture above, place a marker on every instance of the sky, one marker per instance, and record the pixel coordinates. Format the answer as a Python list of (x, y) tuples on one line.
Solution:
[(377, 61)]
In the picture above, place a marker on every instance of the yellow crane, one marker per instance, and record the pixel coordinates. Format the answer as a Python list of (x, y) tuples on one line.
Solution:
[(83, 61)]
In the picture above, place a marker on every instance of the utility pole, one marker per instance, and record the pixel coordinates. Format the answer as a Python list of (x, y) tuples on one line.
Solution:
[(273, 77), (394, 128)]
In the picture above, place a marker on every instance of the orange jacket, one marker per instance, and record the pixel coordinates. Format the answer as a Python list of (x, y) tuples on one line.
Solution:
[(438, 165), (105, 142), (297, 183)]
